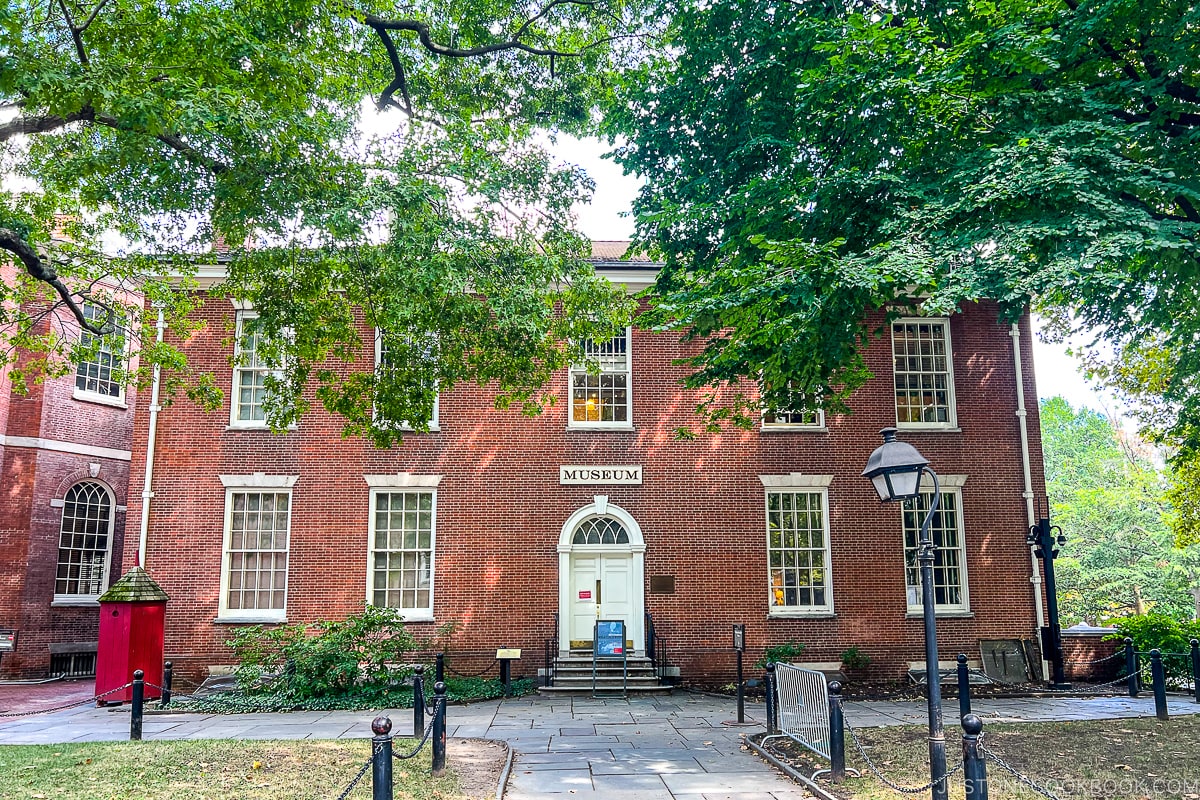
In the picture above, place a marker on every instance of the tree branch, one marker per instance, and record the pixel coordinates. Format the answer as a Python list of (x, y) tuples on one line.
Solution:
[(380, 24), (40, 269), (41, 124), (76, 33)]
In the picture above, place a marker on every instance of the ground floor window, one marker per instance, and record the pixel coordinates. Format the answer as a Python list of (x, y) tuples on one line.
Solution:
[(798, 551), (256, 554), (83, 542), (401, 552)]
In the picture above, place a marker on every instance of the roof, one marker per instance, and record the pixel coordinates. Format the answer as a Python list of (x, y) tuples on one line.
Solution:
[(135, 587), (615, 251)]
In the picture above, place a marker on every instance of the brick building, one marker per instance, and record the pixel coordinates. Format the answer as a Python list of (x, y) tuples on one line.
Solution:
[(500, 522), (64, 473)]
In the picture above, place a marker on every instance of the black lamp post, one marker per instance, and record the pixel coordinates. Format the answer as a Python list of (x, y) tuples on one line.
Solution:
[(895, 469), (1045, 538)]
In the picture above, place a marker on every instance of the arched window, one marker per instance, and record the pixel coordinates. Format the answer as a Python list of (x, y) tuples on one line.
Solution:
[(600, 530), (84, 541)]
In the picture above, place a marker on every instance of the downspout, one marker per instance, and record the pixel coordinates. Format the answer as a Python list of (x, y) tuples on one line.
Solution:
[(150, 436), (1035, 574)]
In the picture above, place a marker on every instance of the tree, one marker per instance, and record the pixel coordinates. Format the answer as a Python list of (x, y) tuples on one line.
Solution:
[(175, 124), (1120, 557), (809, 161)]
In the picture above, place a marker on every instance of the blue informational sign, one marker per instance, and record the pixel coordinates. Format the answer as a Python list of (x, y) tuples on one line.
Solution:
[(610, 637)]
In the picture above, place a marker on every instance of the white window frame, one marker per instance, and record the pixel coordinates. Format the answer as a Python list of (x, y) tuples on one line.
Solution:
[(242, 316), (122, 358), (76, 599), (249, 484), (403, 426), (951, 487), (581, 369), (818, 425), (403, 483), (794, 483), (951, 422)]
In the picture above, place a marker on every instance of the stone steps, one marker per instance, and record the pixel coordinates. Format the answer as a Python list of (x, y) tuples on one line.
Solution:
[(573, 675)]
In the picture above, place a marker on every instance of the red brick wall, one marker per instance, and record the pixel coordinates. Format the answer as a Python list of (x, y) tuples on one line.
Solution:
[(1088, 655), (500, 510)]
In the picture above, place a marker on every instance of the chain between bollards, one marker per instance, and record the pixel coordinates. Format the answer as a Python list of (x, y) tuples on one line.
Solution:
[(439, 730), (974, 763), (138, 702), (964, 687)]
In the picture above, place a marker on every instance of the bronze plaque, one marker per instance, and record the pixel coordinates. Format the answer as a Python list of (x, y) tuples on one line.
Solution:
[(662, 584)]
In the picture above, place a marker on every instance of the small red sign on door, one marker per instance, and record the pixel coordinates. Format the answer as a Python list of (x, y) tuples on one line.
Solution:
[(586, 594)]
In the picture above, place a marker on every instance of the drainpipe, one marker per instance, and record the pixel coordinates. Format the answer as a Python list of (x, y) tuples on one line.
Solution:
[(1035, 574), (150, 436)]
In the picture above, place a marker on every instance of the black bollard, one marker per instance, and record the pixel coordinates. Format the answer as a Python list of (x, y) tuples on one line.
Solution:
[(974, 762), (1196, 669), (769, 682), (964, 687), (136, 706), (506, 675), (837, 734), (418, 701), (168, 678), (439, 668), (439, 729), (741, 691), (381, 759), (1131, 667), (1159, 681)]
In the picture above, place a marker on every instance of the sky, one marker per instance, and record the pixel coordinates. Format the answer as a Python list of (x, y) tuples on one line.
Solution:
[(607, 217)]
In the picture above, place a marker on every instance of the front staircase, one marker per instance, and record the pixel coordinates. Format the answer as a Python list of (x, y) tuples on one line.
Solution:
[(572, 674)]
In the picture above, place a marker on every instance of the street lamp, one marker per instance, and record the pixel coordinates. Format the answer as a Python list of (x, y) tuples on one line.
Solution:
[(895, 469)]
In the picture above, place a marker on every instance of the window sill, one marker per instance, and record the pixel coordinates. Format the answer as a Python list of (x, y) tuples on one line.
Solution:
[(592, 428), (801, 615), (918, 614), (75, 602), (927, 428), (100, 399), (249, 620), (258, 427), (418, 617), (793, 429)]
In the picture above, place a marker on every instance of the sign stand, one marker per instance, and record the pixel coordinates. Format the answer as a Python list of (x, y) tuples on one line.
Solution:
[(739, 646), (608, 643)]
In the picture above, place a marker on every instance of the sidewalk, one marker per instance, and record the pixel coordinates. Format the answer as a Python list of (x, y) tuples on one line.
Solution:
[(654, 748)]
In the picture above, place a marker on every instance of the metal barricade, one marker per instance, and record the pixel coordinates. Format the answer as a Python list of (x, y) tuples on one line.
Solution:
[(802, 707)]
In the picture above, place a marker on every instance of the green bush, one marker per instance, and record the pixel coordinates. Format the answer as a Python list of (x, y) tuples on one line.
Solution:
[(1157, 630), (854, 658), (780, 653), (367, 651)]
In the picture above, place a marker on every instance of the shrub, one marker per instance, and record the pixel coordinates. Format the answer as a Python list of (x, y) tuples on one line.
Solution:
[(853, 658), (1157, 630), (368, 650), (780, 653)]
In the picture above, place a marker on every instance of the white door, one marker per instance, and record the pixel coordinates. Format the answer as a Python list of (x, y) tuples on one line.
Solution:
[(601, 588)]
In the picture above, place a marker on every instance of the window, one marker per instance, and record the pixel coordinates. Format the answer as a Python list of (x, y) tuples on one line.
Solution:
[(949, 556), (811, 418), (249, 375), (401, 552), (600, 530), (96, 377), (388, 359), (798, 552), (600, 386), (83, 544), (922, 370), (254, 583)]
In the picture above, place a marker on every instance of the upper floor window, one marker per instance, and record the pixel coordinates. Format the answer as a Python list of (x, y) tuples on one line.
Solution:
[(798, 552), (923, 375), (809, 418), (949, 554), (600, 385), (399, 358), (97, 375), (249, 374), (83, 545)]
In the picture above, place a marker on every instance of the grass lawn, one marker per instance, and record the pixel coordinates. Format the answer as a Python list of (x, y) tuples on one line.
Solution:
[(209, 770), (1122, 759)]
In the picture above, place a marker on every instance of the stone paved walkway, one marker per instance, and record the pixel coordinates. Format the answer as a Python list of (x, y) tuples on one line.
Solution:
[(650, 748)]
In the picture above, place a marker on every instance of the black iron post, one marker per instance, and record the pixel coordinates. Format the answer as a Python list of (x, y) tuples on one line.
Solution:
[(974, 763), (137, 705), (168, 678), (1045, 537), (1131, 667), (937, 735), (439, 730), (418, 701), (1159, 681), (439, 668), (837, 734), (1196, 669), (964, 687), (381, 759), (506, 675), (739, 646), (769, 682)]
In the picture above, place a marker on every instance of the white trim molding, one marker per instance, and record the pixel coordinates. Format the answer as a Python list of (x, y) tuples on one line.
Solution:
[(66, 447), (946, 481), (796, 480), (402, 480), (259, 480)]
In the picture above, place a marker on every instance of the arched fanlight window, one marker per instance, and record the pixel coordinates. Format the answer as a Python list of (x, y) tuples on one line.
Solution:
[(600, 530), (84, 540)]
